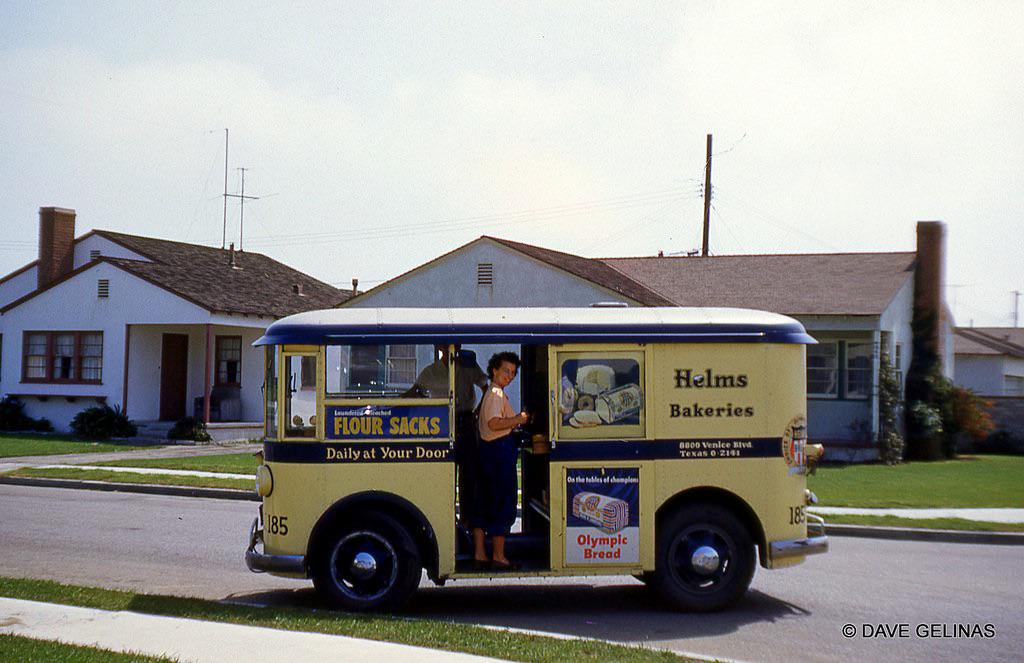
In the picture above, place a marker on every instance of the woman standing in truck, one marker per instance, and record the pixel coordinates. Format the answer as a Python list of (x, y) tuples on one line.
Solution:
[(498, 450)]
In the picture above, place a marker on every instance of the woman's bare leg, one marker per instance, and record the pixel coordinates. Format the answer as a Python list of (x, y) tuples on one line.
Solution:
[(498, 543), (479, 549)]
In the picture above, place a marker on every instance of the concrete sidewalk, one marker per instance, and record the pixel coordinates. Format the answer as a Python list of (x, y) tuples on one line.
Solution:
[(172, 451), (200, 641), (148, 470), (983, 515)]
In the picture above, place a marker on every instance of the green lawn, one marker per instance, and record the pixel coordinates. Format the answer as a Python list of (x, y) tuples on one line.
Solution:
[(27, 650), (442, 635), (243, 463), (970, 481), (12, 445), (111, 476), (922, 523)]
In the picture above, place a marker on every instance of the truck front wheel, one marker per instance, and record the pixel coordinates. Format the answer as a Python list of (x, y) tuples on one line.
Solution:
[(370, 563), (705, 558)]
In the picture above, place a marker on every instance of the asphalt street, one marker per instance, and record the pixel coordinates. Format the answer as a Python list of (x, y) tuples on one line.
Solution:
[(905, 601)]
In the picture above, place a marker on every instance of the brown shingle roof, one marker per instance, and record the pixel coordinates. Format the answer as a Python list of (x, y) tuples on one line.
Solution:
[(203, 275), (794, 284), (989, 341), (594, 271)]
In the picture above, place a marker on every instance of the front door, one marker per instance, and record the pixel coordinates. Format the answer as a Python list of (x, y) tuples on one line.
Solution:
[(173, 376)]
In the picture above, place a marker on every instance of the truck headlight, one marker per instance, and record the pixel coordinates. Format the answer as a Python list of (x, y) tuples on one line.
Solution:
[(264, 481)]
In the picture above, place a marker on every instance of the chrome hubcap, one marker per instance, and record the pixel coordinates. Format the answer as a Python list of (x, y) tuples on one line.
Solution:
[(705, 560), (364, 565)]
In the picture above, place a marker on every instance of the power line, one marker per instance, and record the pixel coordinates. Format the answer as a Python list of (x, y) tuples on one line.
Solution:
[(776, 222), (479, 221), (499, 216)]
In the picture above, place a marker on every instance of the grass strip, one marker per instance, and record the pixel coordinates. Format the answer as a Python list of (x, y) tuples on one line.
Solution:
[(446, 636), (113, 476), (29, 650), (969, 481), (240, 463), (13, 446), (923, 523)]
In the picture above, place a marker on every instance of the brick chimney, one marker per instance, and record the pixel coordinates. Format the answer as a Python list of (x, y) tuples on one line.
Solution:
[(929, 276), (56, 244)]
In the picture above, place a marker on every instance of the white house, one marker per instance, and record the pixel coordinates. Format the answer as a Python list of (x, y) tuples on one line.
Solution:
[(855, 304), (990, 362), (162, 329)]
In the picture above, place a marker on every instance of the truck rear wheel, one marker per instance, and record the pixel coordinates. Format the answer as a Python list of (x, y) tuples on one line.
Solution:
[(370, 563), (705, 558)]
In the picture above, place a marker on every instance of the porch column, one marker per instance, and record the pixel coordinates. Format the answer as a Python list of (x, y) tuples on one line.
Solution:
[(124, 385), (206, 379), (876, 359)]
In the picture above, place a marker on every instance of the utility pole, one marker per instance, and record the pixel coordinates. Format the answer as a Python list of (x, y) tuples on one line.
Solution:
[(1016, 306), (224, 229), (707, 199), (241, 213)]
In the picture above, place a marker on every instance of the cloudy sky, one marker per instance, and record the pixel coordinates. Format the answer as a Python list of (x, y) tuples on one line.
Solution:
[(380, 135)]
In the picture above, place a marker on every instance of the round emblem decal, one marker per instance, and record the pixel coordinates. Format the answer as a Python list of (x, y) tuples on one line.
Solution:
[(794, 441)]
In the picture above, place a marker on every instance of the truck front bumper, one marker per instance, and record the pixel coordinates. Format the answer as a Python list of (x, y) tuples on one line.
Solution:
[(259, 562), (815, 543)]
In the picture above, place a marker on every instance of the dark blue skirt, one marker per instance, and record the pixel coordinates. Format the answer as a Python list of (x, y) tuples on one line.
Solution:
[(498, 486)]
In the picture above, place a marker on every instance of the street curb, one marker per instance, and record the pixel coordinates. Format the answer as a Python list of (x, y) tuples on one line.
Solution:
[(148, 489), (860, 531), (933, 535)]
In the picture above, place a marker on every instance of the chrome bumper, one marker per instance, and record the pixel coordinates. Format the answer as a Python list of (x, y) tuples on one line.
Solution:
[(260, 562), (815, 543)]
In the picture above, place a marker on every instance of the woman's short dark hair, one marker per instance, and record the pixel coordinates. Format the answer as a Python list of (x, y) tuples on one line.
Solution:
[(500, 357)]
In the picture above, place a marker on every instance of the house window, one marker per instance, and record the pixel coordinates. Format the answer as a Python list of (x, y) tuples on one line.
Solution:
[(92, 356), (822, 370), (858, 370), (401, 365), (229, 361), (897, 364), (63, 357), (359, 371), (1014, 385)]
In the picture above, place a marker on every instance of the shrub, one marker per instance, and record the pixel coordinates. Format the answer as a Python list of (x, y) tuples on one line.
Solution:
[(890, 441), (927, 421), (13, 418), (189, 428), (102, 423), (1001, 442), (962, 411)]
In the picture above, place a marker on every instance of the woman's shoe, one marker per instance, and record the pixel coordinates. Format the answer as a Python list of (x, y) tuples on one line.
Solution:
[(481, 564), (504, 566)]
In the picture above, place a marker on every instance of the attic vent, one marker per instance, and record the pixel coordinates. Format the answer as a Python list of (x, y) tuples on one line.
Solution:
[(485, 273), (94, 254), (103, 288)]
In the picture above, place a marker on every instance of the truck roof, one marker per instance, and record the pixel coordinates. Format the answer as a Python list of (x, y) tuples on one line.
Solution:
[(601, 324)]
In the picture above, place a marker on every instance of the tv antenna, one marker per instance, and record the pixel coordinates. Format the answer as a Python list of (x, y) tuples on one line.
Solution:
[(241, 211)]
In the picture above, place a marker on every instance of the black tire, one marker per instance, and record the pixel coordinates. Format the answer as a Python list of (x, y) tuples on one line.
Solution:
[(369, 563), (705, 558)]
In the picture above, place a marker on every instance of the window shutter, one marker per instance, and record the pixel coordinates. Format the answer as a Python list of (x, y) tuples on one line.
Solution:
[(485, 273), (103, 288)]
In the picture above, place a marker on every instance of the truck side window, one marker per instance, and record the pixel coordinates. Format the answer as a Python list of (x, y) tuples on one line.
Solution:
[(600, 395)]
